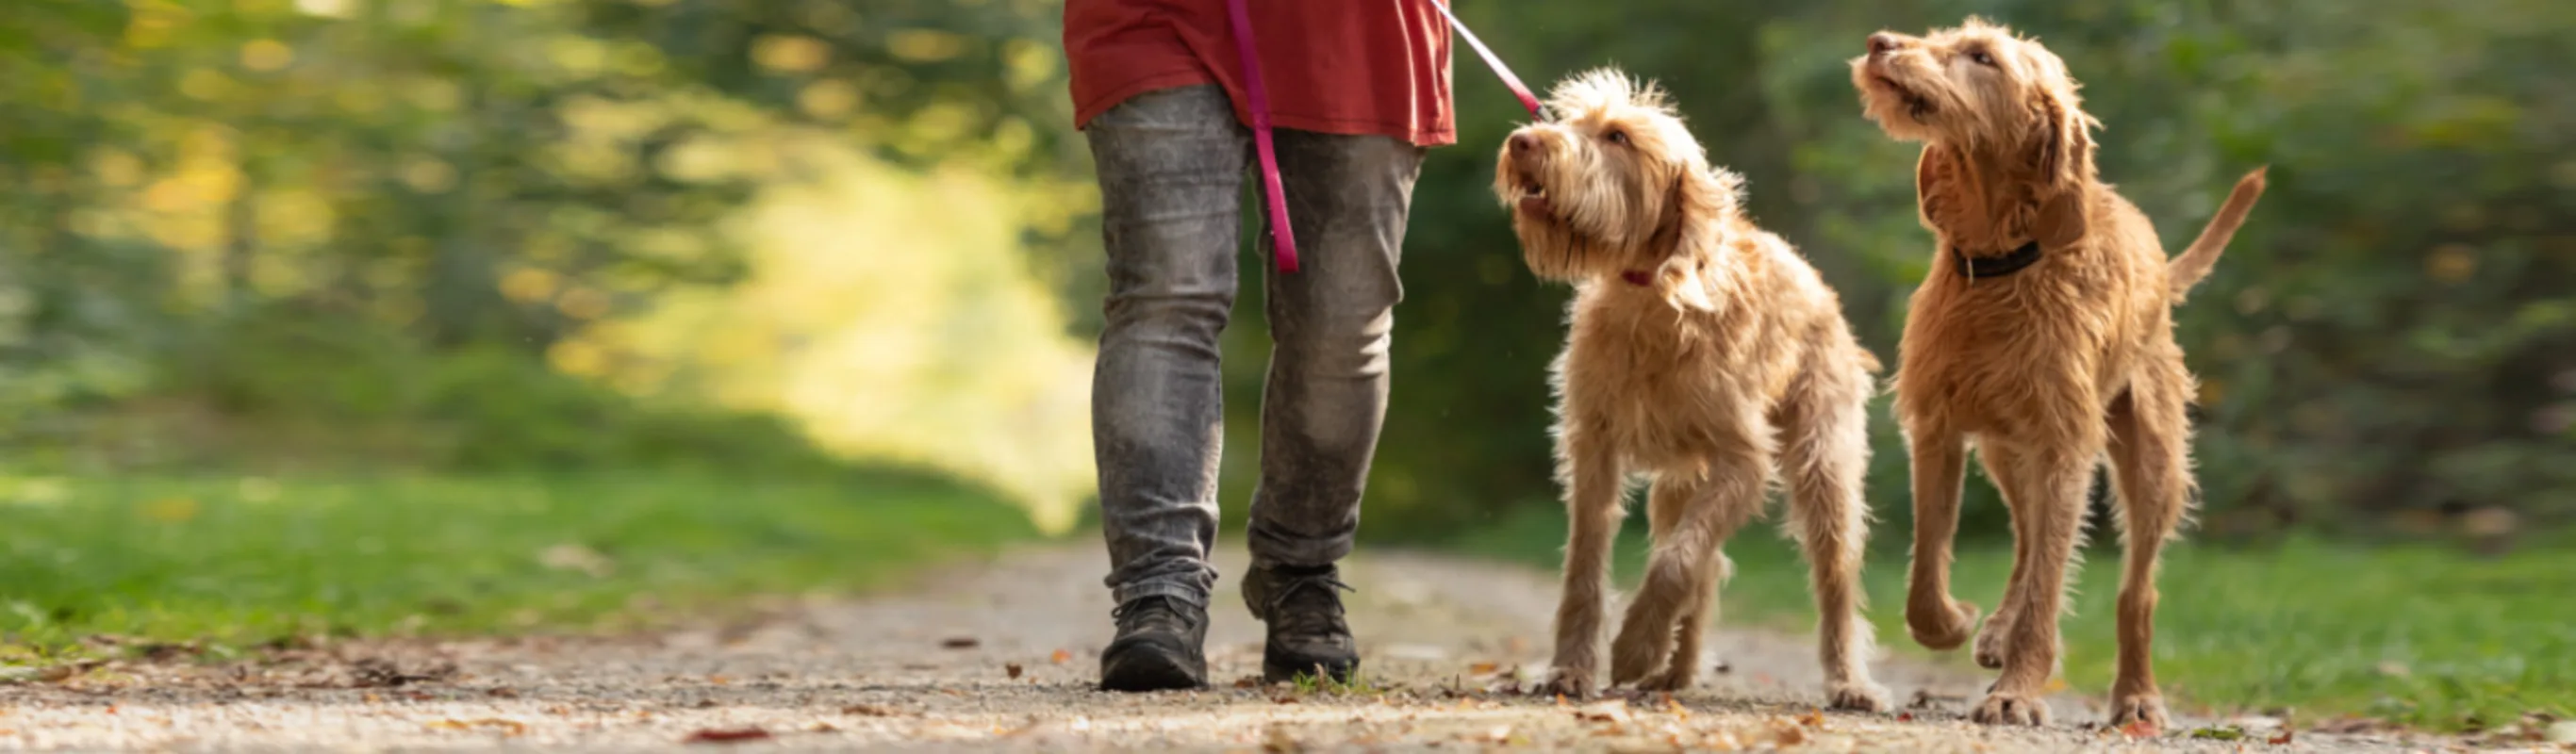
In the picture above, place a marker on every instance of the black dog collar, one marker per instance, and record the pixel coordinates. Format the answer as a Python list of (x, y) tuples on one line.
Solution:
[(1995, 267)]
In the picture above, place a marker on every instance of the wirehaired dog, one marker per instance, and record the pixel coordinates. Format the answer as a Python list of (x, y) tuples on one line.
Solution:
[(2044, 337), (1704, 353)]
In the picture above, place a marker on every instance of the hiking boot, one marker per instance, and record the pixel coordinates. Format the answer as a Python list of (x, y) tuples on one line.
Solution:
[(1158, 647), (1303, 609)]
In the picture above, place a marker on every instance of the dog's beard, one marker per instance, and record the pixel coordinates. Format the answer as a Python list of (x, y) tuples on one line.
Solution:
[(1557, 244), (1905, 108), (1917, 107)]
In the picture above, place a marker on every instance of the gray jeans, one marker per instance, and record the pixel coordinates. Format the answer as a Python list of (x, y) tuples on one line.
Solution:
[(1172, 169)]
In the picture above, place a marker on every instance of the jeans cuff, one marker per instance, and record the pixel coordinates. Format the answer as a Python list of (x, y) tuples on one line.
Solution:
[(1173, 588)]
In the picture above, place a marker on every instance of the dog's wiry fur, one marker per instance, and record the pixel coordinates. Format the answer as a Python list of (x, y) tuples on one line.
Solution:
[(1704, 353), (2044, 371)]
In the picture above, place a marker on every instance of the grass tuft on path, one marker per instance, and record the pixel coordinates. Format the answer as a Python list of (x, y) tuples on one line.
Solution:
[(2417, 634), (236, 562)]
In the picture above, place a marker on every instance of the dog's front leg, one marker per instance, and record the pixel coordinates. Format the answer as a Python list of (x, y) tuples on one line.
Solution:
[(1592, 479), (2048, 490), (1940, 461)]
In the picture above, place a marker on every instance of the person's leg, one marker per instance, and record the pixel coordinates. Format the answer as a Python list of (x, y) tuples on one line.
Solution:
[(1171, 170), (1326, 394)]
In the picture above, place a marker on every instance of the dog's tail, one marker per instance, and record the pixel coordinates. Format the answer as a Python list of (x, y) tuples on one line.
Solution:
[(2186, 271)]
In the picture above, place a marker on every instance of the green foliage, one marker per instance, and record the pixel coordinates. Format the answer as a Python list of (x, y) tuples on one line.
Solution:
[(240, 561), (2417, 634), (286, 391)]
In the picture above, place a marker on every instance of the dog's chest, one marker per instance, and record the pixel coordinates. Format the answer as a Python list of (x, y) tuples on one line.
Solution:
[(1664, 390)]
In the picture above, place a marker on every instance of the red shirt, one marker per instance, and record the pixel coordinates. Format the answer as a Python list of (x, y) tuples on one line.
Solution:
[(1331, 66)]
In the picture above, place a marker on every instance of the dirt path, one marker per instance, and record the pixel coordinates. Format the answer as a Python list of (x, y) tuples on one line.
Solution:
[(1000, 656)]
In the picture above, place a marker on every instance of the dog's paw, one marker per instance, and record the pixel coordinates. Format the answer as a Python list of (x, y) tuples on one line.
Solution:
[(1857, 696), (1569, 683), (2010, 709), (1679, 677), (1990, 641), (1639, 651), (1943, 629), (2142, 714)]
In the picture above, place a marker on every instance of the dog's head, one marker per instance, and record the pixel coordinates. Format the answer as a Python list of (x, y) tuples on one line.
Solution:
[(1981, 89), (1614, 185)]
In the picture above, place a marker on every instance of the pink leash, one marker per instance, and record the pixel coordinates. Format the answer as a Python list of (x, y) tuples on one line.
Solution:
[(1284, 242)]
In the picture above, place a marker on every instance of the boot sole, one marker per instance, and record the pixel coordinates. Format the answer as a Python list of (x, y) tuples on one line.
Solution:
[(1142, 668)]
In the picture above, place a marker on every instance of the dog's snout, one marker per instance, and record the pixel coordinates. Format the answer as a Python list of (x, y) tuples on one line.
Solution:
[(1523, 143), (1882, 42)]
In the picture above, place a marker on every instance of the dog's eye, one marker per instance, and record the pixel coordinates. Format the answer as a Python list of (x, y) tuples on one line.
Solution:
[(1982, 58), (1616, 137)]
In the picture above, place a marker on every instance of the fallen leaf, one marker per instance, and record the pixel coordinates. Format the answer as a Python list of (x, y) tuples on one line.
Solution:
[(1612, 711), (1787, 734), (2054, 685), (821, 727), (2214, 733), (504, 692), (1012, 668), (2280, 739), (508, 727), (716, 736), (1060, 657), (1483, 668), (867, 710), (1905, 717), (961, 642), (2140, 728), (719, 680), (1815, 718), (1248, 682)]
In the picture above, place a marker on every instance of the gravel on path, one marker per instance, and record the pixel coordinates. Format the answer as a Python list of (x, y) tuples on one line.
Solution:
[(1002, 655)]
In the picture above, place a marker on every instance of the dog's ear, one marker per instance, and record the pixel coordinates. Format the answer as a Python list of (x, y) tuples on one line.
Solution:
[(2062, 142), (1703, 198), (1680, 283), (1937, 182)]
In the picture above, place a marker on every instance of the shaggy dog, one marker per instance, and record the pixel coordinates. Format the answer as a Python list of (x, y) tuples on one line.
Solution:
[(2044, 337), (1704, 353)]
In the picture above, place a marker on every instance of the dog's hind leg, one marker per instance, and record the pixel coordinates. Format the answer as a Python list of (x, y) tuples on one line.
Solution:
[(1593, 480), (1677, 573), (2151, 456), (1825, 457), (1670, 499)]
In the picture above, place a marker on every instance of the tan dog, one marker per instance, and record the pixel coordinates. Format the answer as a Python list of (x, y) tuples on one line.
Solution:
[(1704, 352), (2044, 336)]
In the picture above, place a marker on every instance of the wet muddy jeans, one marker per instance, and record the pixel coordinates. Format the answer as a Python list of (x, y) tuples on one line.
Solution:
[(1173, 168)]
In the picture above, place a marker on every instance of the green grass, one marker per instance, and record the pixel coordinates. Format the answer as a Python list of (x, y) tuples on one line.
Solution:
[(2418, 634), (242, 561)]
